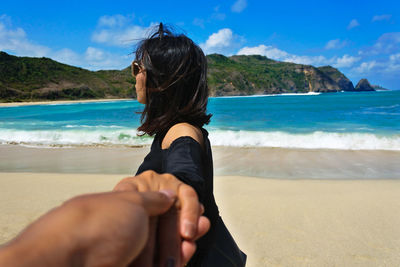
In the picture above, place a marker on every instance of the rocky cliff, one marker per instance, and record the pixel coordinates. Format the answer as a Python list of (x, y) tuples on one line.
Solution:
[(245, 75)]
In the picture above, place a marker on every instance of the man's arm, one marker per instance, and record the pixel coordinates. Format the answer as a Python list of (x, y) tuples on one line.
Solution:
[(107, 228)]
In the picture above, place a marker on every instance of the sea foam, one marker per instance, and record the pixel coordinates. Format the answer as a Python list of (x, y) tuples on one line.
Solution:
[(73, 137), (314, 140)]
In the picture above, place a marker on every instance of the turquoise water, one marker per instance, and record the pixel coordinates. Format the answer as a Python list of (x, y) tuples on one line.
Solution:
[(368, 120)]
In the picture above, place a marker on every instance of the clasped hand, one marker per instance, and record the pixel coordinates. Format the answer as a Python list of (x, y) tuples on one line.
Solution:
[(172, 235)]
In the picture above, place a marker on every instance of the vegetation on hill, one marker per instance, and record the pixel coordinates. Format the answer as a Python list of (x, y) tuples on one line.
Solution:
[(245, 75), (33, 79), (30, 79)]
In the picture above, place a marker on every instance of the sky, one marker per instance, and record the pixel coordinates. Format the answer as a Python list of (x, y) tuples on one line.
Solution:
[(360, 38)]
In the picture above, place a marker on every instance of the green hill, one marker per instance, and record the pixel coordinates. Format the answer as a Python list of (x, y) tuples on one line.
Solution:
[(33, 79), (30, 79)]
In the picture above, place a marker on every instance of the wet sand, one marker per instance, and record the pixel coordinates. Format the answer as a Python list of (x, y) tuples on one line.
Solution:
[(257, 162), (276, 222)]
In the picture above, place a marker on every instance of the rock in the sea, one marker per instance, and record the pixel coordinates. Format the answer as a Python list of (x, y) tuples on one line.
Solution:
[(364, 85)]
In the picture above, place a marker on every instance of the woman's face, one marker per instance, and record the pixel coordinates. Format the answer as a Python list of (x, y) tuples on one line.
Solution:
[(141, 86)]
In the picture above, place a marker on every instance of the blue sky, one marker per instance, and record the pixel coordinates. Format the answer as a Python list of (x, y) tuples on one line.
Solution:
[(360, 38)]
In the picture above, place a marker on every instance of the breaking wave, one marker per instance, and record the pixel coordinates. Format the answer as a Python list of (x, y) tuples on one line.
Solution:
[(122, 136)]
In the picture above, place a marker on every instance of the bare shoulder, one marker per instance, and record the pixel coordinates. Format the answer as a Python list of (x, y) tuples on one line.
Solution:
[(179, 130)]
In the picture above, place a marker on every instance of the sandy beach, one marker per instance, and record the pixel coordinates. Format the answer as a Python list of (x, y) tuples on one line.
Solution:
[(304, 208), (310, 208), (276, 222)]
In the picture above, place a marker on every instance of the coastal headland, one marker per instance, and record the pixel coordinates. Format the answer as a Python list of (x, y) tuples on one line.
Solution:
[(43, 79)]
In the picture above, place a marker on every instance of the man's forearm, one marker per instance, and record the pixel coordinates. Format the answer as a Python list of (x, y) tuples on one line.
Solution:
[(47, 242), (104, 229), (21, 254)]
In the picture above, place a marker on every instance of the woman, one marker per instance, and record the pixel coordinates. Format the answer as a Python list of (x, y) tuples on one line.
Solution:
[(171, 80)]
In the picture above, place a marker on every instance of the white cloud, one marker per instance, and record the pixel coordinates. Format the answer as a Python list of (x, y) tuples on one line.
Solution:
[(96, 58), (353, 23), (66, 56), (92, 59), (335, 44), (114, 20), (117, 30), (277, 54), (239, 6), (94, 54), (395, 58), (264, 50), (381, 59), (308, 60), (381, 17), (5, 19), (345, 61), (366, 67), (222, 38), (15, 41), (387, 43), (120, 37), (223, 42), (389, 40), (389, 66), (394, 64)]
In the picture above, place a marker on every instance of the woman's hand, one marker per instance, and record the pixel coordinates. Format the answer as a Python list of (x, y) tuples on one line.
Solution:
[(190, 224)]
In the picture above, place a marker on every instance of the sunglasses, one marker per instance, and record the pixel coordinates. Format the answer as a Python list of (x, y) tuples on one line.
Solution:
[(136, 68)]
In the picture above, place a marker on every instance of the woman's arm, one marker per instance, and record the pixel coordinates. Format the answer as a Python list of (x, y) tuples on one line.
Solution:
[(190, 209), (180, 130)]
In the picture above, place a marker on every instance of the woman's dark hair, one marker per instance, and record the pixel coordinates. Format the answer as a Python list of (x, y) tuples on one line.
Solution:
[(176, 85)]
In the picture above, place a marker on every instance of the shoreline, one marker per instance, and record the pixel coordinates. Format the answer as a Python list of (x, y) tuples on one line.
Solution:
[(261, 162), (28, 103), (296, 222), (17, 104)]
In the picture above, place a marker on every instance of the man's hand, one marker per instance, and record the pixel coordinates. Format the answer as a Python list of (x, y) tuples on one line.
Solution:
[(106, 229)]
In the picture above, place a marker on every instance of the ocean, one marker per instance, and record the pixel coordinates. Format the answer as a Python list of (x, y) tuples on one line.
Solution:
[(346, 121)]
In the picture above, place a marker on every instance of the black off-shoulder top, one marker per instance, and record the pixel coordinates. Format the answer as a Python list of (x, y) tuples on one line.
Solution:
[(192, 164)]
